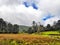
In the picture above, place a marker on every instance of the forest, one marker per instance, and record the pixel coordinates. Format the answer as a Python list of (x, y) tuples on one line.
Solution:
[(6, 27)]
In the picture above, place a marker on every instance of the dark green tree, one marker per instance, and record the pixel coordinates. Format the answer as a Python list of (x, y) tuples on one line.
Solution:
[(10, 28), (15, 28), (34, 26), (48, 27), (57, 26), (30, 31), (1, 20), (4, 27)]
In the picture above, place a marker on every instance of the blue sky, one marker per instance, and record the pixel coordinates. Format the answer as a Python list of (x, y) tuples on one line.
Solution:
[(28, 4), (23, 12)]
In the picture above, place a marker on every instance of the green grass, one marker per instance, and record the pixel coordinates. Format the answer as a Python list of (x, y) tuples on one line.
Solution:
[(49, 32)]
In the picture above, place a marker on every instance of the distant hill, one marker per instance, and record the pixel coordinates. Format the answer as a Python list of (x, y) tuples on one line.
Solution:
[(22, 27)]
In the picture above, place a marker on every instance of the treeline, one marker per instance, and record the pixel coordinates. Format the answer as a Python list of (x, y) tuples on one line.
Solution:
[(39, 28), (6, 27)]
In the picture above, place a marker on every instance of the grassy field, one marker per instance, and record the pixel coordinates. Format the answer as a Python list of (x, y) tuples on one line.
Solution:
[(29, 39), (49, 33)]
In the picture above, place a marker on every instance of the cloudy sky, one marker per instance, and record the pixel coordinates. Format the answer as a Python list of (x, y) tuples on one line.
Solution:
[(23, 12)]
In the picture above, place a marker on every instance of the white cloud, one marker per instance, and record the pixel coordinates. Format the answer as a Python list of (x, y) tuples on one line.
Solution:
[(50, 21), (20, 14), (15, 12), (51, 6)]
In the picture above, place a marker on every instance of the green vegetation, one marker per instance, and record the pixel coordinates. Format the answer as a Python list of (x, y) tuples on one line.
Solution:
[(50, 32), (6, 27)]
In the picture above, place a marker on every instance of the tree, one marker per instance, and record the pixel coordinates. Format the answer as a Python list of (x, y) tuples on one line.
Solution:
[(10, 28), (34, 26), (58, 25), (4, 27), (30, 31), (48, 27), (1, 20), (15, 28), (42, 28), (34, 23), (59, 21)]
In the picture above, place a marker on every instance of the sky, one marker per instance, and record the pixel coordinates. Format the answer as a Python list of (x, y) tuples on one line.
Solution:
[(23, 12)]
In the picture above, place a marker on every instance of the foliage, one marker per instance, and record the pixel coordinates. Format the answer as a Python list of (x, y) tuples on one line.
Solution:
[(6, 27), (40, 28)]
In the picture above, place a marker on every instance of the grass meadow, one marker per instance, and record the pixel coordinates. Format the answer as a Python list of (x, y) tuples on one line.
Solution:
[(30, 39)]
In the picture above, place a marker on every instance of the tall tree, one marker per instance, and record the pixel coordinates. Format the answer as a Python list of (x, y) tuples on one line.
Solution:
[(15, 28), (4, 27), (10, 28), (48, 27), (58, 25), (34, 26), (1, 20), (30, 31)]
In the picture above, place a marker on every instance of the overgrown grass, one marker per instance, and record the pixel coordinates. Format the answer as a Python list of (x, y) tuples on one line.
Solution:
[(42, 38), (29, 42), (28, 39)]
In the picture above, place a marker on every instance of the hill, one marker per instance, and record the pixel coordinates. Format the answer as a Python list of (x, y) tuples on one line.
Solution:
[(23, 28)]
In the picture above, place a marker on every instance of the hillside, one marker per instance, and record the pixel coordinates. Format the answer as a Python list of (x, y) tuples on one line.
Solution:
[(23, 28)]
